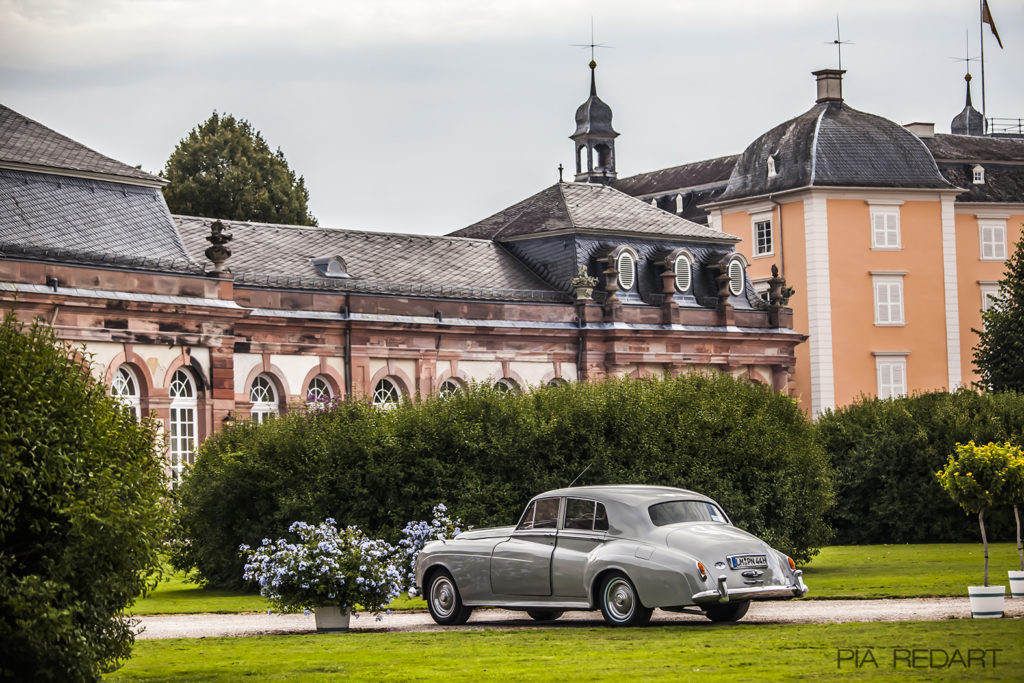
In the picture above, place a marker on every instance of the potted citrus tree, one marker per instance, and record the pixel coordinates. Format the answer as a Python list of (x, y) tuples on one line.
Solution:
[(1015, 494), (975, 477), (327, 571)]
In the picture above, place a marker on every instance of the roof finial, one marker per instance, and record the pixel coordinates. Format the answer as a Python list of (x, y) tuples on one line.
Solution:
[(839, 42), (967, 59), (593, 64)]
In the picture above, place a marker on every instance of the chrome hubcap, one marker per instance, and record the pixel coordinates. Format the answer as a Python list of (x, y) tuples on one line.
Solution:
[(619, 599), (442, 596)]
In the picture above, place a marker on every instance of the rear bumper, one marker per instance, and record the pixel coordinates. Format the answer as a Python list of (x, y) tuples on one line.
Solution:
[(724, 594)]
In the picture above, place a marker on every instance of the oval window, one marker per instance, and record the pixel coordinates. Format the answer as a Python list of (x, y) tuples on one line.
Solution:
[(735, 277), (682, 271), (626, 265)]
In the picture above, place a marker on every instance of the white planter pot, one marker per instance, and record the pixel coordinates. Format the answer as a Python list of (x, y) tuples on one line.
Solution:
[(331, 619), (986, 601), (1016, 584)]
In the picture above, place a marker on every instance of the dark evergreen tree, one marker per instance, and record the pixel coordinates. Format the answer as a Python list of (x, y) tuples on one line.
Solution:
[(999, 355), (225, 169)]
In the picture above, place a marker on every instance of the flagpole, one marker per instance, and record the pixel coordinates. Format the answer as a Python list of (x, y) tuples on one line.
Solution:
[(981, 31)]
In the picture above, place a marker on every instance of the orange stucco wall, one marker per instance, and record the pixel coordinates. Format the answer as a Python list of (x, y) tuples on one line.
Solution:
[(970, 270)]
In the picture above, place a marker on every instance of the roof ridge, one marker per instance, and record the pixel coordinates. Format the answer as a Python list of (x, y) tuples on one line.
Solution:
[(814, 144)]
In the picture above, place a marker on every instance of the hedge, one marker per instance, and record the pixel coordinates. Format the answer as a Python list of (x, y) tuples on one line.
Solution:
[(484, 454), (885, 454)]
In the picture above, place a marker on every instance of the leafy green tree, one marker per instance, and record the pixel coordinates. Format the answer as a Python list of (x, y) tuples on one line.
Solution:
[(82, 512), (225, 169), (999, 355)]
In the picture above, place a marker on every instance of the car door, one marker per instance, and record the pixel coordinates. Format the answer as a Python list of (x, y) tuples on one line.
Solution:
[(522, 564), (584, 528)]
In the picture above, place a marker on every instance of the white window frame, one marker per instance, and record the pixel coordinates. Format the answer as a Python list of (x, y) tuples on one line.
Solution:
[(889, 309), (263, 395), (891, 374), (319, 392), (736, 277), (386, 394), (631, 270), (758, 220), (890, 236), (992, 238), (507, 385), (978, 175), (449, 388), (989, 294), (182, 422), (683, 268), (125, 388)]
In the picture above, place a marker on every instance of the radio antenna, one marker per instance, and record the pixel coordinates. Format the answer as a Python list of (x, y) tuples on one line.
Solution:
[(579, 475)]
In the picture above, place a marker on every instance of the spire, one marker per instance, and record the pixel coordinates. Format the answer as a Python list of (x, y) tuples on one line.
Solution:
[(594, 139), (970, 121)]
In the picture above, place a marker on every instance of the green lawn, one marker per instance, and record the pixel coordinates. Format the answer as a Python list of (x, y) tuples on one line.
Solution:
[(709, 651), (873, 571), (906, 571)]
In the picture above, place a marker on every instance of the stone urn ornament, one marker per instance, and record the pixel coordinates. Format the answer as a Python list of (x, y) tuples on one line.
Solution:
[(583, 284)]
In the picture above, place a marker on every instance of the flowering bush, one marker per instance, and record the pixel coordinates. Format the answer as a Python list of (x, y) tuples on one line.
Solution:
[(418, 534), (980, 477), (325, 567)]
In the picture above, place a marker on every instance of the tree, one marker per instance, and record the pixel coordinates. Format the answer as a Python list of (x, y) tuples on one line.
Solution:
[(225, 169), (82, 512), (999, 355)]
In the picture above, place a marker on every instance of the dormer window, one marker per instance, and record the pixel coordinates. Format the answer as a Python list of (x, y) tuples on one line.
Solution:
[(683, 272), (679, 203), (979, 175), (771, 166), (331, 266), (626, 265), (735, 277)]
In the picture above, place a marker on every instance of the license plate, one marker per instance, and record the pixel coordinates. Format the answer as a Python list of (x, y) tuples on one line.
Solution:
[(747, 561)]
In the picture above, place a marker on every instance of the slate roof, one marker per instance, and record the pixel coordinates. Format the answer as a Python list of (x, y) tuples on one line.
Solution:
[(834, 145), (975, 148), (1002, 159), (265, 254), (699, 173), (88, 221), (587, 208), (24, 141)]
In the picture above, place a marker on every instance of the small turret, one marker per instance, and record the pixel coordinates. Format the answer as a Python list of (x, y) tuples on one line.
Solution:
[(594, 139), (970, 121)]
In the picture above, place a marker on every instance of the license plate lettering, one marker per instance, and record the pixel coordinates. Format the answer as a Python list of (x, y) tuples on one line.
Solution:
[(747, 561)]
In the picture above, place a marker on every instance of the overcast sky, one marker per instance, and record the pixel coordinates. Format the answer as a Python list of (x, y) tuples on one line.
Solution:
[(427, 115)]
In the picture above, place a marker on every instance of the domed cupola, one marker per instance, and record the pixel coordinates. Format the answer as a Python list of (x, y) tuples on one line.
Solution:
[(594, 138), (970, 121), (833, 145)]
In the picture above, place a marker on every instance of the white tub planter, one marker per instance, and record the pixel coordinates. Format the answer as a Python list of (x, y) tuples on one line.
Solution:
[(331, 619), (986, 601), (1016, 584)]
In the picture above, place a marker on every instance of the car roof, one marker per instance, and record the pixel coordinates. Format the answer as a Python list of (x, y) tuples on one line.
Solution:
[(627, 494)]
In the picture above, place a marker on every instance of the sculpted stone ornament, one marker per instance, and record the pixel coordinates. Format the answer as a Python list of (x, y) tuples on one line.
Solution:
[(778, 291), (584, 284), (218, 252)]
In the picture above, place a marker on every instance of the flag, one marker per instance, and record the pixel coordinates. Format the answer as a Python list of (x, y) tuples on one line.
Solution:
[(986, 18)]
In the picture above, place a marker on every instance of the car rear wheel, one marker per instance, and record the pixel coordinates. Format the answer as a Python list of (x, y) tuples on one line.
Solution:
[(729, 611), (444, 601), (544, 614), (620, 604)]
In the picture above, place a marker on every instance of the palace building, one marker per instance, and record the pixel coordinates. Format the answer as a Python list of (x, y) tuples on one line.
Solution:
[(199, 321)]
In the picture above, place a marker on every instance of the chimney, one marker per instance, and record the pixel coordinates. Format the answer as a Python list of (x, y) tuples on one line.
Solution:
[(921, 129), (830, 84)]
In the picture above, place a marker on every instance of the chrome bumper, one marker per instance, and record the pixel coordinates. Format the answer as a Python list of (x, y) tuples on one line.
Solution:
[(722, 593)]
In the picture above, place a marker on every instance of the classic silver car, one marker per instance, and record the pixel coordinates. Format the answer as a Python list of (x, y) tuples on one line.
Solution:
[(622, 549)]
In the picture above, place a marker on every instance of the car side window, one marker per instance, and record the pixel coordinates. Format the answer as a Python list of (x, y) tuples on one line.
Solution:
[(540, 514), (585, 514)]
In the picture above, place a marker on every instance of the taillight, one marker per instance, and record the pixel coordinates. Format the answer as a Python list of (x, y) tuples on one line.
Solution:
[(703, 571), (792, 564)]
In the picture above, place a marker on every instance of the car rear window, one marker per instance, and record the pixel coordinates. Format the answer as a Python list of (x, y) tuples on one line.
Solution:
[(676, 511)]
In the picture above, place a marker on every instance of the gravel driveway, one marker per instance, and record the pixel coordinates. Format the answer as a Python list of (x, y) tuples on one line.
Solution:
[(796, 612)]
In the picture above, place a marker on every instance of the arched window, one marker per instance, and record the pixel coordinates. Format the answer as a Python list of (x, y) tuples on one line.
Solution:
[(386, 394), (264, 399), (682, 269), (506, 385), (449, 388), (126, 389), (626, 265), (557, 382), (604, 157), (319, 392), (581, 159), (182, 423), (735, 277)]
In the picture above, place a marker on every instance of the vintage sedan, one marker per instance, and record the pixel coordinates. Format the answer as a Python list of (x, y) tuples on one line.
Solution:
[(622, 549)]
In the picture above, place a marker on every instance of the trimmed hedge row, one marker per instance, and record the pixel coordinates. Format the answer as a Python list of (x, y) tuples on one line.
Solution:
[(484, 454), (885, 454)]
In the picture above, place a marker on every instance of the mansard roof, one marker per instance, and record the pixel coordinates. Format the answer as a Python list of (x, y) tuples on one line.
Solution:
[(1002, 159), (709, 172), (63, 218), (27, 143), (591, 209), (834, 145), (265, 254)]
